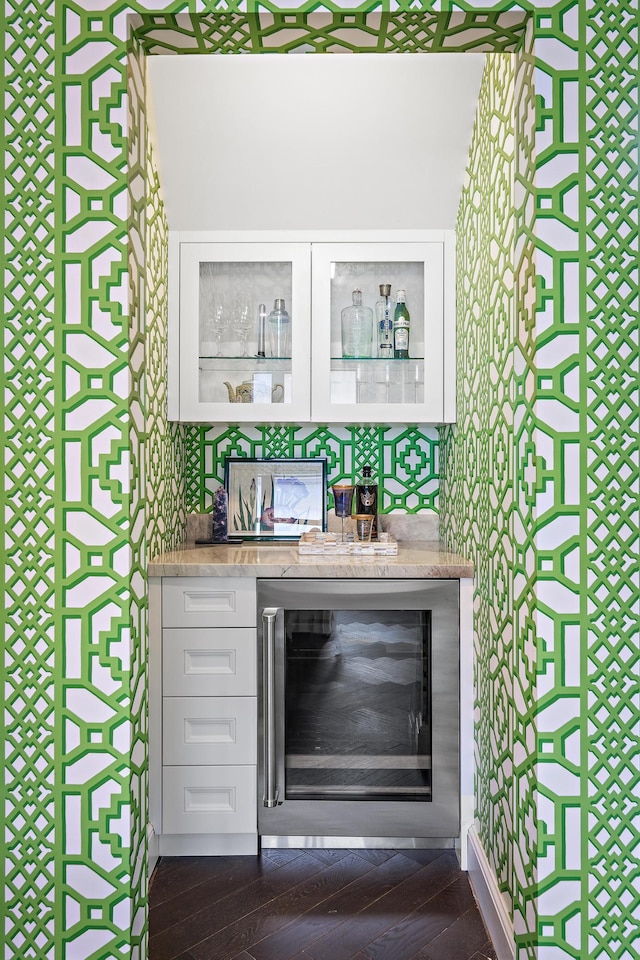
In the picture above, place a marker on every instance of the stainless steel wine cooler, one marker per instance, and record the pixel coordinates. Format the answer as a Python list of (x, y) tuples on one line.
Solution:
[(359, 712)]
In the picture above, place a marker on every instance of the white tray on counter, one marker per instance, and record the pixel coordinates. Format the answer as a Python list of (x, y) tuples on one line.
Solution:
[(332, 545)]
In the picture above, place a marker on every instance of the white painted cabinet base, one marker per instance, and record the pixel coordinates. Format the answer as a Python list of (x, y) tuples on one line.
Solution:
[(202, 722), (209, 800), (206, 845), (201, 731)]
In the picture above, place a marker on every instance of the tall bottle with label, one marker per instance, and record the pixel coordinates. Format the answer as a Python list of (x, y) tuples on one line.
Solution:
[(366, 499), (401, 324), (384, 321)]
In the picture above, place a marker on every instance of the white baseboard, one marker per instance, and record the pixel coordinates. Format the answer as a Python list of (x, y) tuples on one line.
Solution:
[(152, 849), (490, 901), (467, 809)]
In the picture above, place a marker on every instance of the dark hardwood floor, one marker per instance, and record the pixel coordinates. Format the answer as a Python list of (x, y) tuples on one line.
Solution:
[(316, 905)]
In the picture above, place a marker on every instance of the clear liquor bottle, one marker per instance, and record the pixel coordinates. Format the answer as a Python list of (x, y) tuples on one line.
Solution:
[(401, 325), (384, 320), (357, 328)]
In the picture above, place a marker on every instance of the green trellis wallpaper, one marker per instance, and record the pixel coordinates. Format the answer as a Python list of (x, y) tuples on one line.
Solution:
[(85, 503), (404, 459), (484, 512), (167, 477)]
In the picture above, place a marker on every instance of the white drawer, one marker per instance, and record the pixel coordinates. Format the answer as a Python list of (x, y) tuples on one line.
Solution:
[(208, 730), (209, 800), (209, 663), (208, 602)]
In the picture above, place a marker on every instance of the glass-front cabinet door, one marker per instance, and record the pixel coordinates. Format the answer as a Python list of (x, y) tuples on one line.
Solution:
[(243, 333), (383, 333)]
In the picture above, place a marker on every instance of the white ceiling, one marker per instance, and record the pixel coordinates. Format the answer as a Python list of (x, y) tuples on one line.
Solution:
[(313, 142)]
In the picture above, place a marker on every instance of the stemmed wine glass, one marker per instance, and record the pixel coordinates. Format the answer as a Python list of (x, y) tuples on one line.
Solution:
[(219, 323), (243, 325), (343, 501)]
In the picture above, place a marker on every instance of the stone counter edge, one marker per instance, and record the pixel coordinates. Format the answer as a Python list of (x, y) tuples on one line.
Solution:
[(415, 560)]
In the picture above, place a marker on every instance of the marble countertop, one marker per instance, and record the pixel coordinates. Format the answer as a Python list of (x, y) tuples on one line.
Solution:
[(416, 559)]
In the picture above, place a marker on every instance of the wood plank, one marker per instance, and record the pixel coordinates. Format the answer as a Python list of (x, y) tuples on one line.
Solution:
[(183, 936), (462, 938), (224, 878), (429, 855), (280, 855), (486, 952), (323, 917), (253, 927), (410, 933), (329, 855), (373, 920), (316, 904), (173, 876), (374, 856)]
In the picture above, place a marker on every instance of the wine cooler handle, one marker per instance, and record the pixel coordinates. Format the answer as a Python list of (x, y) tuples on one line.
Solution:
[(270, 796)]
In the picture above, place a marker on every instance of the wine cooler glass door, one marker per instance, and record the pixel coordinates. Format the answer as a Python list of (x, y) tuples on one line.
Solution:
[(359, 710), (358, 704)]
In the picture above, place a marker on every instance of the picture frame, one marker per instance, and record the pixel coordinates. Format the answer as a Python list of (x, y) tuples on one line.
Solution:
[(275, 499)]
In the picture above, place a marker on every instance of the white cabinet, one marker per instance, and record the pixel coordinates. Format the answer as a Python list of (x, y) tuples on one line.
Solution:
[(371, 387), (215, 373), (216, 369), (208, 731)]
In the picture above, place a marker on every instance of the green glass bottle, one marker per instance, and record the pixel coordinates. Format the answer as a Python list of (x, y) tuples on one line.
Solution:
[(401, 325)]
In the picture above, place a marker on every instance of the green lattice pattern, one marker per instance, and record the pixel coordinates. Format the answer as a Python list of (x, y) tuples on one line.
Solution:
[(69, 406), (611, 698), (478, 453), (522, 547), (405, 460), (168, 463), (549, 501), (30, 662), (102, 619), (137, 875), (226, 31), (269, 28), (548, 473)]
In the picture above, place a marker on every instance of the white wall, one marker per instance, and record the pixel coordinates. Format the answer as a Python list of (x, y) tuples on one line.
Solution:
[(315, 142)]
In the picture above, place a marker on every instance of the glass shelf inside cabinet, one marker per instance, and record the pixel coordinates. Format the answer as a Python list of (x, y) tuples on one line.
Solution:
[(240, 360), (357, 310), (245, 380), (371, 380)]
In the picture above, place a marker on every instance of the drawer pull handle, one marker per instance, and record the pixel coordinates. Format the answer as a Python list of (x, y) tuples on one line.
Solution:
[(270, 795), (212, 662), (199, 601)]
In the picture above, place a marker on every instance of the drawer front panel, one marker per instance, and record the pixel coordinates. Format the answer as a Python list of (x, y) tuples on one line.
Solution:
[(209, 663), (209, 730), (209, 800), (208, 601)]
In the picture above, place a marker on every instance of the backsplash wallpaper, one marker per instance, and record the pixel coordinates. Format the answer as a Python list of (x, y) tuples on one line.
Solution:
[(403, 459), (88, 459)]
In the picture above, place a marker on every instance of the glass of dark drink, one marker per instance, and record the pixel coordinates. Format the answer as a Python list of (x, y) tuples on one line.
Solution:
[(343, 501)]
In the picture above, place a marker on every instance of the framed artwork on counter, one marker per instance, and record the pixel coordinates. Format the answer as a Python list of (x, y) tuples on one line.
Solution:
[(275, 499)]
